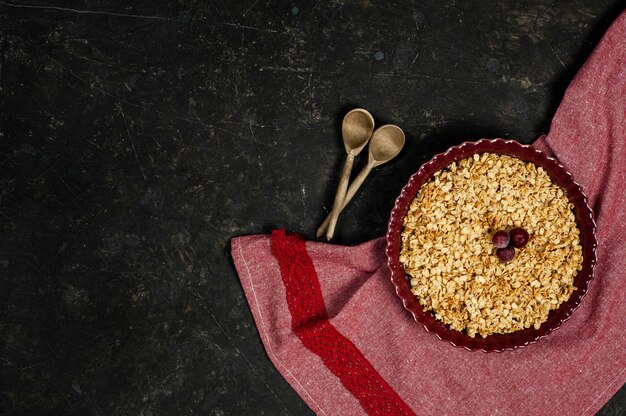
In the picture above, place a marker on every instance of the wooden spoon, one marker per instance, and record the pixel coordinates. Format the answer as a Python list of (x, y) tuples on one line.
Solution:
[(385, 144), (356, 129)]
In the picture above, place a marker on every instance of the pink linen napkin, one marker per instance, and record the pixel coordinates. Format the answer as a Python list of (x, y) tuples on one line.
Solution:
[(333, 326)]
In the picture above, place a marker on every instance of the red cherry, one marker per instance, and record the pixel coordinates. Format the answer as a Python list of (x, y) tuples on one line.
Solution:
[(505, 254), (500, 239), (519, 237)]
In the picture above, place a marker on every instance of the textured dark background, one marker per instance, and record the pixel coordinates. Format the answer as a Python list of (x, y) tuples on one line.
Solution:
[(137, 138)]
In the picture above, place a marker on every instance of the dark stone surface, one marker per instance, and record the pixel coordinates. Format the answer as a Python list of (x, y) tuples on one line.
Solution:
[(137, 138)]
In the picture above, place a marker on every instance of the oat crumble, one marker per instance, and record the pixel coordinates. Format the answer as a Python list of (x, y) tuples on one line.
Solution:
[(448, 253)]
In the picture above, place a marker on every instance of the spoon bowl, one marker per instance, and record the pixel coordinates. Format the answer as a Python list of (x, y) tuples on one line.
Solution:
[(385, 144), (357, 128)]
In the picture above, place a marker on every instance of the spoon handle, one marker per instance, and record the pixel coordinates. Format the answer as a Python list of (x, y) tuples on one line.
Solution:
[(352, 189), (341, 193)]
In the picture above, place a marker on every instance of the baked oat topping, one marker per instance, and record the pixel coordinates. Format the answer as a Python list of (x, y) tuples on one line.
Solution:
[(448, 252)]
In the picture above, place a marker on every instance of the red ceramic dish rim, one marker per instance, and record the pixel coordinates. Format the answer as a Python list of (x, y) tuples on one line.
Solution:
[(584, 220)]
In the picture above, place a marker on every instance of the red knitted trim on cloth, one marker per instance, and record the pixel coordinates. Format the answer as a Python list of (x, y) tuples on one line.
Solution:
[(309, 320)]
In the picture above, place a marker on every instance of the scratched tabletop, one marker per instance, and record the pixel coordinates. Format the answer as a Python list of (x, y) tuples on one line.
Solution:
[(137, 138)]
